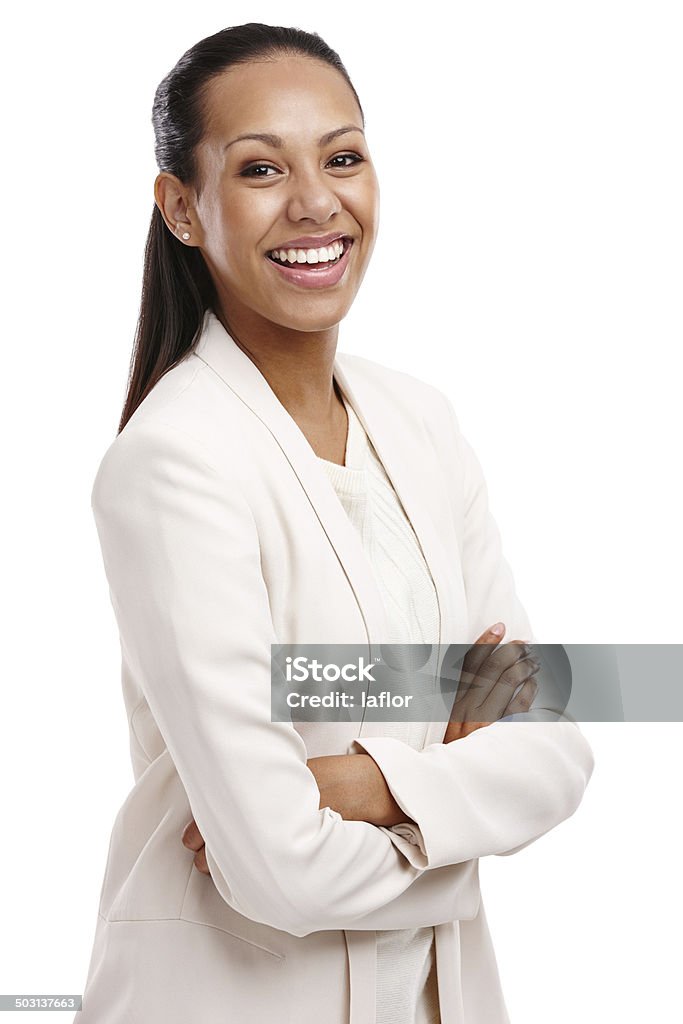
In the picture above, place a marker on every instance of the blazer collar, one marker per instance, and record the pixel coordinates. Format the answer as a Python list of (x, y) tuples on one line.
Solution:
[(402, 462)]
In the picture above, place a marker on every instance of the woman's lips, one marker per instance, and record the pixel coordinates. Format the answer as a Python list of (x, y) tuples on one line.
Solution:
[(314, 275)]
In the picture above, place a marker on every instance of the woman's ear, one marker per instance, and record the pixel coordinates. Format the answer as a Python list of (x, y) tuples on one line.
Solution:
[(175, 205)]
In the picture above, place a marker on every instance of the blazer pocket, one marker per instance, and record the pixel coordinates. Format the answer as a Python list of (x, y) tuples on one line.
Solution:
[(203, 904)]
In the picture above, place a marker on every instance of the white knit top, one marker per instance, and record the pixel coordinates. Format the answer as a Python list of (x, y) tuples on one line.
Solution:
[(406, 966)]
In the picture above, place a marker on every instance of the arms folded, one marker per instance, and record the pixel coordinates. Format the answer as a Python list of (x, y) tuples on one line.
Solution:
[(182, 559)]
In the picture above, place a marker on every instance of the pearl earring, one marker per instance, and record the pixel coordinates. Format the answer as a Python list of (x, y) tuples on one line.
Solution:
[(186, 235)]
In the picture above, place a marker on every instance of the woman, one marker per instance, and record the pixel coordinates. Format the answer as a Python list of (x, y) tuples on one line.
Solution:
[(264, 489)]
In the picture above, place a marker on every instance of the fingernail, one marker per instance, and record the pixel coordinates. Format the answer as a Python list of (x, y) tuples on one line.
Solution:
[(498, 629)]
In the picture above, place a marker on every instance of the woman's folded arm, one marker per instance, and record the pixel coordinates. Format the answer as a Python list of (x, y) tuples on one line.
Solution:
[(492, 792), (505, 784), (182, 559)]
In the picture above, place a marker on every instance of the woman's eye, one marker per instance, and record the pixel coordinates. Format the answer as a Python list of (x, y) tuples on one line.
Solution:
[(339, 162), (253, 171), (354, 158)]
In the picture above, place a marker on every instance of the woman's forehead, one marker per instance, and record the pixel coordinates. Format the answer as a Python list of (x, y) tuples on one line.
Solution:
[(287, 96)]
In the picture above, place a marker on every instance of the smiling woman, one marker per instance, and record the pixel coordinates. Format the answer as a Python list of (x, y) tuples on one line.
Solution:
[(283, 146), (265, 489)]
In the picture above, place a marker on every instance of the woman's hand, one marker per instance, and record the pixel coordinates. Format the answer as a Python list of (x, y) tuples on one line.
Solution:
[(194, 840), (490, 675)]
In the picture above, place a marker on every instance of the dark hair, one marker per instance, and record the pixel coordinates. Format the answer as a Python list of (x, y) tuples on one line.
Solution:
[(177, 288)]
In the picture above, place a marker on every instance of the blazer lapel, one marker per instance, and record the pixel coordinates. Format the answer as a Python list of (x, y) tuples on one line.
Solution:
[(388, 435), (216, 348)]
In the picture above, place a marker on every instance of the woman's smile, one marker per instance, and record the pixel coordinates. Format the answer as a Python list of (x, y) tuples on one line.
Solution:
[(320, 266)]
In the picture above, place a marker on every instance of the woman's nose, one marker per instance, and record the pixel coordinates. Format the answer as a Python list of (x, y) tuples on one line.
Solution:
[(312, 197)]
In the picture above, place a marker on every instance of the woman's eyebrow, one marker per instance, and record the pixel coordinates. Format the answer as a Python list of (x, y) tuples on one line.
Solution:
[(278, 143)]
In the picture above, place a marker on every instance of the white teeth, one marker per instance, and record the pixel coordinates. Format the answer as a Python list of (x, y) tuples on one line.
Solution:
[(326, 254)]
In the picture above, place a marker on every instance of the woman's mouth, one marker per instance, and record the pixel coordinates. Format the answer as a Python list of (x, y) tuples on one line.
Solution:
[(312, 268)]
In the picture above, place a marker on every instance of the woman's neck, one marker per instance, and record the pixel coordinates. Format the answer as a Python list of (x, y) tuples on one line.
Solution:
[(299, 368)]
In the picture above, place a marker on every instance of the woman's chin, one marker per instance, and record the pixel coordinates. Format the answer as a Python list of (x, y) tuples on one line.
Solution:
[(311, 315)]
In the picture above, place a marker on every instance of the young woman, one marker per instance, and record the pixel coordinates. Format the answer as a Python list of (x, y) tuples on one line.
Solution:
[(264, 489)]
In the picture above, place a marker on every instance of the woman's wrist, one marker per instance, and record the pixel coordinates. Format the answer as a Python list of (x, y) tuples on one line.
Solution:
[(354, 786)]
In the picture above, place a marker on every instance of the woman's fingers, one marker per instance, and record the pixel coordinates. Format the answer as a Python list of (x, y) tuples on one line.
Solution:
[(483, 666), (192, 837), (491, 674), (470, 665), (194, 840), (200, 861), (501, 693), (482, 647), (523, 700), (499, 663), (505, 697)]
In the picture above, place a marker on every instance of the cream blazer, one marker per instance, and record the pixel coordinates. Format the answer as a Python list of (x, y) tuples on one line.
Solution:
[(221, 534)]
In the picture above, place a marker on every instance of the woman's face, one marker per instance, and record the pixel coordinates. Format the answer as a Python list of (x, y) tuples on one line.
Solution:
[(268, 204)]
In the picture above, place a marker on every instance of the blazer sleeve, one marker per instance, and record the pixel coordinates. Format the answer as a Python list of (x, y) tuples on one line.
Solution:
[(506, 784), (182, 559)]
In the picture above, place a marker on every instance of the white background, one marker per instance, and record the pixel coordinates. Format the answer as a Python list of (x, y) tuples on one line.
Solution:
[(529, 263)]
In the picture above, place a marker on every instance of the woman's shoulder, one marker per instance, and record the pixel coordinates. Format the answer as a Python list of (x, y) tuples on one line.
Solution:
[(187, 406), (167, 429)]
